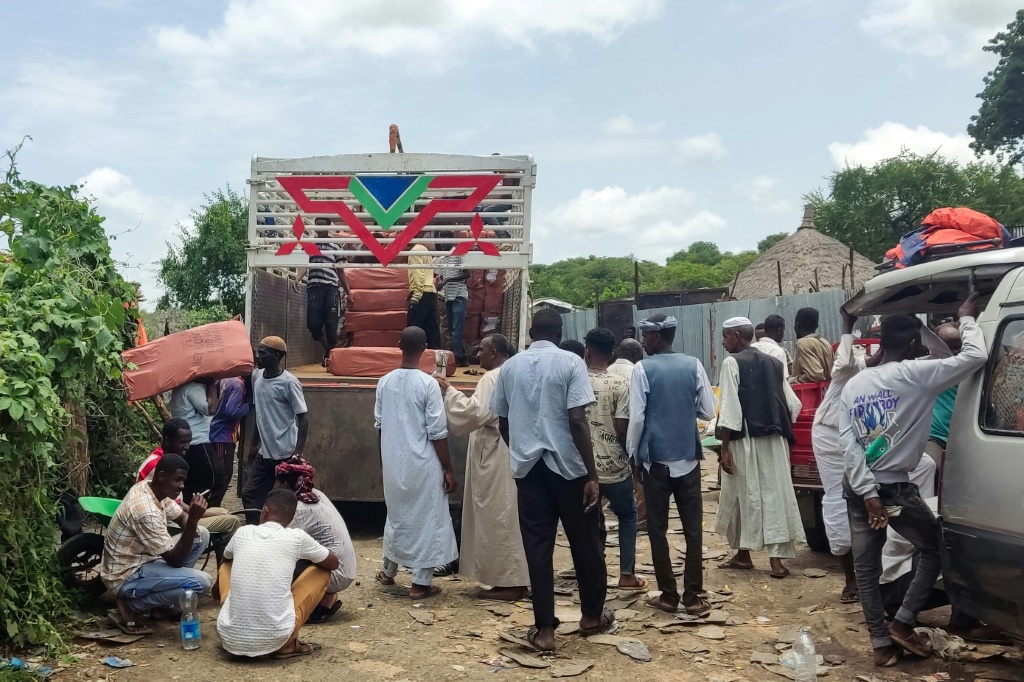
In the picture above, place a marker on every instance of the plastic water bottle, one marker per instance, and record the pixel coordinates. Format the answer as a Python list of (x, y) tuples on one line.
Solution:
[(191, 637), (806, 667)]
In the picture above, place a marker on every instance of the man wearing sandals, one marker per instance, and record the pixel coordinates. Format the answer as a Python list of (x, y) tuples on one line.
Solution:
[(757, 506), (885, 420), (142, 565), (417, 470), (262, 607), (541, 398), (668, 392)]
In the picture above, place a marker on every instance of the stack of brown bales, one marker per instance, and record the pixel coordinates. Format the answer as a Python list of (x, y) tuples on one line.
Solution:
[(486, 302), (380, 307)]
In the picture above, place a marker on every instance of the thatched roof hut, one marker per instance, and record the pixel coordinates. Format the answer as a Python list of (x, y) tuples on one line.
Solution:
[(805, 261)]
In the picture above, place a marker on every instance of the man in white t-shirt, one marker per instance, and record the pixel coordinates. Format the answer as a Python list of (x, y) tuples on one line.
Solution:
[(262, 609)]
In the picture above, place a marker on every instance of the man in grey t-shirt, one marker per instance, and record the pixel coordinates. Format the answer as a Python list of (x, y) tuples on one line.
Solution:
[(280, 419)]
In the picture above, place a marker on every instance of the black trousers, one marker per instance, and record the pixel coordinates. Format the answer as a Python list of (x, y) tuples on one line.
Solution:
[(659, 490), (423, 314), (544, 499), (200, 470), (223, 466), (323, 310), (259, 482)]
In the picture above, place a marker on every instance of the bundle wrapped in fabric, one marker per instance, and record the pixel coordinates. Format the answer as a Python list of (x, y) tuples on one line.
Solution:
[(377, 278), (376, 362), (217, 351), (376, 339), (377, 300), (949, 227), (381, 321)]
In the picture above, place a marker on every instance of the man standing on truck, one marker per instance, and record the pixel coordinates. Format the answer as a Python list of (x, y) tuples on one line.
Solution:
[(668, 392), (814, 356), (280, 419), (417, 470), (323, 304), (456, 301), (492, 546), (757, 408), (885, 419), (541, 399), (423, 297)]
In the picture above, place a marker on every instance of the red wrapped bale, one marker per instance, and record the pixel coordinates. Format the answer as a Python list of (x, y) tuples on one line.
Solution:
[(376, 300), (381, 321), (388, 339), (217, 350), (377, 278), (376, 362)]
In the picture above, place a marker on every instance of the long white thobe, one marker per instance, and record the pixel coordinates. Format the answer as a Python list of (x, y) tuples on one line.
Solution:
[(492, 546), (757, 507), (409, 412)]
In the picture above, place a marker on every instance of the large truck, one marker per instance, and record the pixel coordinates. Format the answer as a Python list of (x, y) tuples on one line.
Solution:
[(379, 207)]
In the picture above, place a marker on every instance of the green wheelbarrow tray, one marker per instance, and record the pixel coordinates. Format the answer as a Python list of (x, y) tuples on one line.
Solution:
[(103, 508), (711, 443)]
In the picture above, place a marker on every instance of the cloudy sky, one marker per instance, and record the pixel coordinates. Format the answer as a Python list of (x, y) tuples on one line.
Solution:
[(654, 123)]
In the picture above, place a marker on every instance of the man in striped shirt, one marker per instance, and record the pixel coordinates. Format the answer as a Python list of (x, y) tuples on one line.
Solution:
[(323, 305), (456, 301)]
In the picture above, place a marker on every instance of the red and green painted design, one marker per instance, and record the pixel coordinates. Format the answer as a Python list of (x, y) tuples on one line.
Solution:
[(386, 198)]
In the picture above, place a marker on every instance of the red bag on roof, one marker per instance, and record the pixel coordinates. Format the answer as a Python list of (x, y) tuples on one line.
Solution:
[(974, 223)]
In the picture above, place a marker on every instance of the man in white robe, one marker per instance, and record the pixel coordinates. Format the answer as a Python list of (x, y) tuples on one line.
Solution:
[(417, 469), (757, 506), (492, 545), (771, 342)]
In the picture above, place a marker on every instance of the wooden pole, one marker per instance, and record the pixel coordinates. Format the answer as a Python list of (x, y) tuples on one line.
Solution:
[(817, 286), (851, 266), (636, 284), (842, 277), (778, 270)]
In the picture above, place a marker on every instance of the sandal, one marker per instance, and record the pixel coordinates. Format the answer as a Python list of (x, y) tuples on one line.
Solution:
[(701, 609), (607, 623), (300, 649), (321, 614), (384, 579), (784, 573), (893, 660), (849, 596), (656, 603), (432, 592), (531, 636), (912, 645), (735, 565), (643, 583), (129, 627)]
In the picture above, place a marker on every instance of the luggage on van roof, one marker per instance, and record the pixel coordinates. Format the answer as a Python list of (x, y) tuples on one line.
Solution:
[(947, 232)]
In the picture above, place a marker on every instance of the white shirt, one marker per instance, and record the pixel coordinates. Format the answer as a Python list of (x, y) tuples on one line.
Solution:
[(639, 387), (771, 347), (258, 616), (623, 368)]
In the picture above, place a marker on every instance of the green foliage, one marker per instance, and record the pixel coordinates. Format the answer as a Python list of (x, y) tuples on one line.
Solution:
[(770, 241), (63, 324), (577, 280), (176, 320), (998, 126), (208, 266), (871, 208)]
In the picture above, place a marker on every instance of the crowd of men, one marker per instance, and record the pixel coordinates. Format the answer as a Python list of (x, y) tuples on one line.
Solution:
[(555, 431)]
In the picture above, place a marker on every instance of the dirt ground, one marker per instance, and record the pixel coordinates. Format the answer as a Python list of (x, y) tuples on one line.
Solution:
[(375, 636)]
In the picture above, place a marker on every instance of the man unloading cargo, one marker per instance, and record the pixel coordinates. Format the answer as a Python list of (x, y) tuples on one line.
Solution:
[(323, 302)]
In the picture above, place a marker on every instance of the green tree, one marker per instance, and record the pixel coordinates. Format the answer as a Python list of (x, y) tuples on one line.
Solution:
[(871, 208), (208, 266), (998, 126), (702, 253), (579, 280), (770, 241)]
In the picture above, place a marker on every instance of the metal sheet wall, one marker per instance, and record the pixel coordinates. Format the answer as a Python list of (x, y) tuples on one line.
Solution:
[(700, 326)]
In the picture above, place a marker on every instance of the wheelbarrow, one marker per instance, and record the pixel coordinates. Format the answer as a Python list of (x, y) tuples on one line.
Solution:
[(80, 555)]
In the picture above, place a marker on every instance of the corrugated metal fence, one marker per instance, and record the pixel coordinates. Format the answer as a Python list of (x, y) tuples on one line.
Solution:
[(700, 326)]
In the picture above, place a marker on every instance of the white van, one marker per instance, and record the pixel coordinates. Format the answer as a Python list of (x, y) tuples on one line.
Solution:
[(981, 498)]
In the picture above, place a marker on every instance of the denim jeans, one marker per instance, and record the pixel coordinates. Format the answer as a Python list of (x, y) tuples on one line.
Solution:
[(456, 325), (160, 585), (620, 496), (918, 525)]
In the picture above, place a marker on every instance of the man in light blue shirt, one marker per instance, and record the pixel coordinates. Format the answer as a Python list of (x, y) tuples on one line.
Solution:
[(540, 398)]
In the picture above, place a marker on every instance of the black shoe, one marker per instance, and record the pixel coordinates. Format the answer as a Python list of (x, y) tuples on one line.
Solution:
[(448, 569)]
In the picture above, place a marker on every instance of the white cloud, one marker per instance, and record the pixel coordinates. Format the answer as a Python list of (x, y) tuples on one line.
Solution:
[(138, 223), (761, 193), (889, 139), (953, 31), (264, 31), (707, 147), (624, 126), (60, 88), (653, 223)]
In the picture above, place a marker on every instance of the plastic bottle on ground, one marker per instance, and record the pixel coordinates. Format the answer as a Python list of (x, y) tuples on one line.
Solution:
[(191, 637)]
